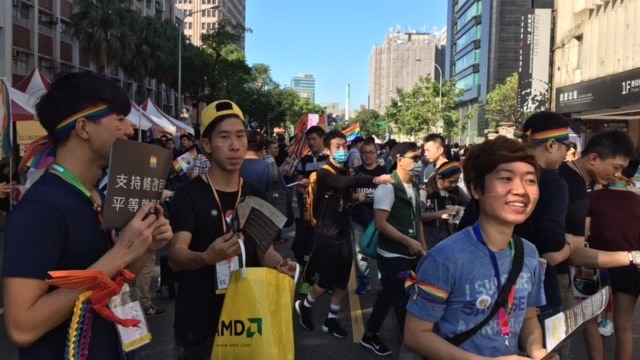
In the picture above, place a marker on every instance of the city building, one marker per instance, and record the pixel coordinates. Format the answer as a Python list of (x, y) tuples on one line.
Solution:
[(596, 70), (484, 49), (400, 62), (38, 34), (305, 86), (202, 16)]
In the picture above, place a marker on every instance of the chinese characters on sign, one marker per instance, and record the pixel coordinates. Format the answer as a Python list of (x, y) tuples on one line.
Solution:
[(137, 176), (134, 182)]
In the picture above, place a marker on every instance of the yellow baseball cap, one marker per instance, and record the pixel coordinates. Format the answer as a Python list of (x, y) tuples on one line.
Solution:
[(218, 109)]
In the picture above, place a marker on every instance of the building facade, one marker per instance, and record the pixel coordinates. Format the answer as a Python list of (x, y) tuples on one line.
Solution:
[(37, 33), (484, 40), (400, 62), (305, 86), (203, 15), (596, 70)]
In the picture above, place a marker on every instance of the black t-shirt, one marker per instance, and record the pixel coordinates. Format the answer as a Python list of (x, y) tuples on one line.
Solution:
[(54, 227), (363, 211), (333, 201), (194, 209), (546, 230), (575, 221)]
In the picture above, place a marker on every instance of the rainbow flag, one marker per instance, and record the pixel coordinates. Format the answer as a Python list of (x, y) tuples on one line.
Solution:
[(5, 116), (352, 132), (183, 162)]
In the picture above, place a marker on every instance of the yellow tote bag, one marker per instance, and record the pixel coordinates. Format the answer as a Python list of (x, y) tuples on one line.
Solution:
[(257, 317)]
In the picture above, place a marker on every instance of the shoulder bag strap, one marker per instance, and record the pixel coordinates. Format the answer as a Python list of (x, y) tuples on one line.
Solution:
[(516, 268)]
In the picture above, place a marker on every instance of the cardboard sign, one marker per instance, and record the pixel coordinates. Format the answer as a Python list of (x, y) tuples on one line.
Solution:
[(137, 176)]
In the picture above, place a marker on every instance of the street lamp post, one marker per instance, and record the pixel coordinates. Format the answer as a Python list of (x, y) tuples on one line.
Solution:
[(440, 70), (440, 87), (180, 30)]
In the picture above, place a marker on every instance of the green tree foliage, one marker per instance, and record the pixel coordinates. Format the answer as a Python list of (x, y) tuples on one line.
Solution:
[(502, 103), (371, 123), (422, 108), (145, 47), (156, 42), (105, 30)]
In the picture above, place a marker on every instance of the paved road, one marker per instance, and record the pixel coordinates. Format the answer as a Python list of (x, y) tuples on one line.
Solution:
[(314, 345)]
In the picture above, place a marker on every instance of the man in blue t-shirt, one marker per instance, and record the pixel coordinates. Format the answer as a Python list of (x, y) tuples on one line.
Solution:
[(458, 281), (83, 114)]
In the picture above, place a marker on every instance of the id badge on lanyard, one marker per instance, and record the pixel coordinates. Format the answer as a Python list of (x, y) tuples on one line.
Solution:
[(125, 306), (223, 273)]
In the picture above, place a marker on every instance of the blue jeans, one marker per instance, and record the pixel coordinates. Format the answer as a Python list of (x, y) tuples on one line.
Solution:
[(362, 262)]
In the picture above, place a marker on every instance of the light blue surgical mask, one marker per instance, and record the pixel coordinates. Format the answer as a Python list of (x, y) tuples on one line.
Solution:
[(340, 156)]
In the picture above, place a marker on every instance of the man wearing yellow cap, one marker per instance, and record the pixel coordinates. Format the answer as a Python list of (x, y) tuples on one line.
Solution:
[(205, 247)]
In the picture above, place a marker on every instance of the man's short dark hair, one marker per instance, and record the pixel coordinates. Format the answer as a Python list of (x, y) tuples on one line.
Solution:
[(185, 136), (369, 142), (435, 138), (318, 130), (74, 92), (255, 140), (610, 144), (333, 134)]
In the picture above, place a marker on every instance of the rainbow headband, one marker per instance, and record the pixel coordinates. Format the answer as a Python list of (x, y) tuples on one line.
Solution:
[(448, 169), (93, 113), (560, 135)]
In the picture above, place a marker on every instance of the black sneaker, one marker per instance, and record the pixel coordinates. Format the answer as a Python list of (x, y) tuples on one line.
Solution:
[(331, 326), (376, 345), (306, 319), (152, 311)]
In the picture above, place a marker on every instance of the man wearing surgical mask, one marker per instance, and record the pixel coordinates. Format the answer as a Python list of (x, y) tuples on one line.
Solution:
[(333, 253), (396, 211)]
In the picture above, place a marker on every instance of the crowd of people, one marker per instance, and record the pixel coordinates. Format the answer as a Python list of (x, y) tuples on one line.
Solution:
[(476, 245)]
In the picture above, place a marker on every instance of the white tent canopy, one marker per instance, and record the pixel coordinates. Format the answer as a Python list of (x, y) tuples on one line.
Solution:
[(138, 118), (153, 109), (155, 115), (35, 84)]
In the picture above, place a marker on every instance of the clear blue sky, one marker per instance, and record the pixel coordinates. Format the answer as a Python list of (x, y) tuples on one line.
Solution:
[(331, 39)]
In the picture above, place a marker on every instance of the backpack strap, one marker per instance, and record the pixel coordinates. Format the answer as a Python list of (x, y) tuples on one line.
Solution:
[(516, 268)]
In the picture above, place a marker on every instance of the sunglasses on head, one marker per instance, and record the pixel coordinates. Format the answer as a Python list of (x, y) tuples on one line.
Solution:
[(413, 157)]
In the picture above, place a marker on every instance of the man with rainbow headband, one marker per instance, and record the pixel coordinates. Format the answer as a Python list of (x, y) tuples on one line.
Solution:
[(57, 225)]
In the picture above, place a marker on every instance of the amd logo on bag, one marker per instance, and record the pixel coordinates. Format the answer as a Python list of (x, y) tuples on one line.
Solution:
[(252, 327)]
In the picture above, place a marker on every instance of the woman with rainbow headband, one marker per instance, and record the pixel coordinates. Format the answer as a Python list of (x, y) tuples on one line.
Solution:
[(444, 200), (57, 226)]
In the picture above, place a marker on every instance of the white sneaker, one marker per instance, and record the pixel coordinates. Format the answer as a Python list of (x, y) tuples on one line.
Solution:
[(605, 327)]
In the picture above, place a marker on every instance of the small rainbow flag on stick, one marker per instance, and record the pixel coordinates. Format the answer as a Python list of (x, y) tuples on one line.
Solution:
[(183, 162), (352, 132)]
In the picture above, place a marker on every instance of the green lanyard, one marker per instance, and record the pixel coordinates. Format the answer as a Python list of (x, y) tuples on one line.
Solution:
[(69, 177)]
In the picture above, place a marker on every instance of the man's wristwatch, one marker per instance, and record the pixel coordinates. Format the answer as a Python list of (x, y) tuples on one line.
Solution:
[(634, 257)]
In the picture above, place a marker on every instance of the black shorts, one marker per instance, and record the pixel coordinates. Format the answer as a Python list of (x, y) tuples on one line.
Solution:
[(625, 280), (332, 259)]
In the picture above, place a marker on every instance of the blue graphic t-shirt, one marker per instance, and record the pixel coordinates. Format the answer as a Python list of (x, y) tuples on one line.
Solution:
[(458, 280)]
